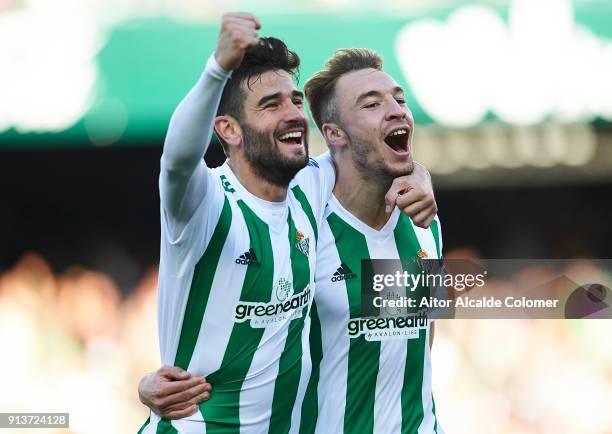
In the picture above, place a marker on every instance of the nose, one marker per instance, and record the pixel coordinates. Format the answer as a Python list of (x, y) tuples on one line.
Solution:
[(395, 110), (294, 113)]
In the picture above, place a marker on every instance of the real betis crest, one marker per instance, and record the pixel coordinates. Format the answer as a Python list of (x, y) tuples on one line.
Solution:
[(302, 243), (422, 254)]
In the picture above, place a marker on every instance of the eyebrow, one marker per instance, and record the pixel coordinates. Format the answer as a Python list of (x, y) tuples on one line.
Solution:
[(365, 95), (277, 95)]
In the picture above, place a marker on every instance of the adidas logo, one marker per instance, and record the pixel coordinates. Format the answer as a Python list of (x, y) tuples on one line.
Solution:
[(343, 273), (248, 258)]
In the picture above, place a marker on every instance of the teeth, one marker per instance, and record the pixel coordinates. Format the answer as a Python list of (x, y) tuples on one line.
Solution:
[(399, 132), (294, 135)]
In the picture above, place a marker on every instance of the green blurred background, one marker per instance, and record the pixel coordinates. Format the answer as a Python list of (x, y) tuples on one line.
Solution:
[(513, 106)]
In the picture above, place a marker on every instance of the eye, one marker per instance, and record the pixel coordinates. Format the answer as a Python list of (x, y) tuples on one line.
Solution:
[(271, 105), (371, 105), (400, 101), (298, 102)]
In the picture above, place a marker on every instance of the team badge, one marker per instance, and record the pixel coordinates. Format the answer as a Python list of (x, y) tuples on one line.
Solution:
[(422, 254), (302, 243)]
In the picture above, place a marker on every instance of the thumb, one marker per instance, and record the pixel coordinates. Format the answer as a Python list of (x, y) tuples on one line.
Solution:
[(176, 373), (389, 203)]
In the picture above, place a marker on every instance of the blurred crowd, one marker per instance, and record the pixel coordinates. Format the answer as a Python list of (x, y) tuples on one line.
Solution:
[(71, 342)]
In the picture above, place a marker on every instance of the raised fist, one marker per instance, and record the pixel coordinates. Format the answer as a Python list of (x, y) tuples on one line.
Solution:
[(238, 33)]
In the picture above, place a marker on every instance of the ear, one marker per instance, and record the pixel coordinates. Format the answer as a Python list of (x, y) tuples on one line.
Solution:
[(334, 135), (228, 129)]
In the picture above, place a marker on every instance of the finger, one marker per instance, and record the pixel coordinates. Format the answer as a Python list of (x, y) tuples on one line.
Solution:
[(238, 33), (391, 196), (179, 414), (183, 405), (413, 196), (174, 373), (242, 38), (182, 397), (250, 41), (244, 16), (399, 187), (240, 24), (415, 208), (424, 218), (389, 201), (172, 387)]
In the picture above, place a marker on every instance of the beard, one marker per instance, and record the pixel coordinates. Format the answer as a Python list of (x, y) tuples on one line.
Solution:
[(370, 163), (266, 159)]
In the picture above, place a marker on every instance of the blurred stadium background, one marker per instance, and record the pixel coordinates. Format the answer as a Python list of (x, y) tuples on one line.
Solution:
[(513, 105)]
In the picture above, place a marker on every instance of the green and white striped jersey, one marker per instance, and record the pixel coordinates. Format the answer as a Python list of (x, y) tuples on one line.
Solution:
[(366, 382), (235, 290)]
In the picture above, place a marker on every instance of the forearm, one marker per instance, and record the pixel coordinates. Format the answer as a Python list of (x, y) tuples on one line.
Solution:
[(191, 125)]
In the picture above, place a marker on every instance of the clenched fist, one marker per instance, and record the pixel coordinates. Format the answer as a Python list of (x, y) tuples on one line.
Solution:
[(238, 33)]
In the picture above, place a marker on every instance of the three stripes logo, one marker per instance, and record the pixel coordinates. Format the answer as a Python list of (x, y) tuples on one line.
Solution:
[(343, 273), (248, 258)]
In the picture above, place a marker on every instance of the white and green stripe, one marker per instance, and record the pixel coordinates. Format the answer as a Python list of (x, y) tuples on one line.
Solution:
[(360, 387), (257, 371)]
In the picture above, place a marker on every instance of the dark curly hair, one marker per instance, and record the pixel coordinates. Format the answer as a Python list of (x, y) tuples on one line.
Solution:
[(271, 54)]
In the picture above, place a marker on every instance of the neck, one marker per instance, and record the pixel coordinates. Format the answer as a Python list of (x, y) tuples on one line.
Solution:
[(361, 195), (255, 184)]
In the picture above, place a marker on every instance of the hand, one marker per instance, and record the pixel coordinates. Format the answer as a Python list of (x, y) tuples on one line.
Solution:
[(413, 195), (238, 33), (173, 393)]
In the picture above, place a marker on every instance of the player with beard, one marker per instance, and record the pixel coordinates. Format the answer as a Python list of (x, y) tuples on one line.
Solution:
[(238, 242)]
